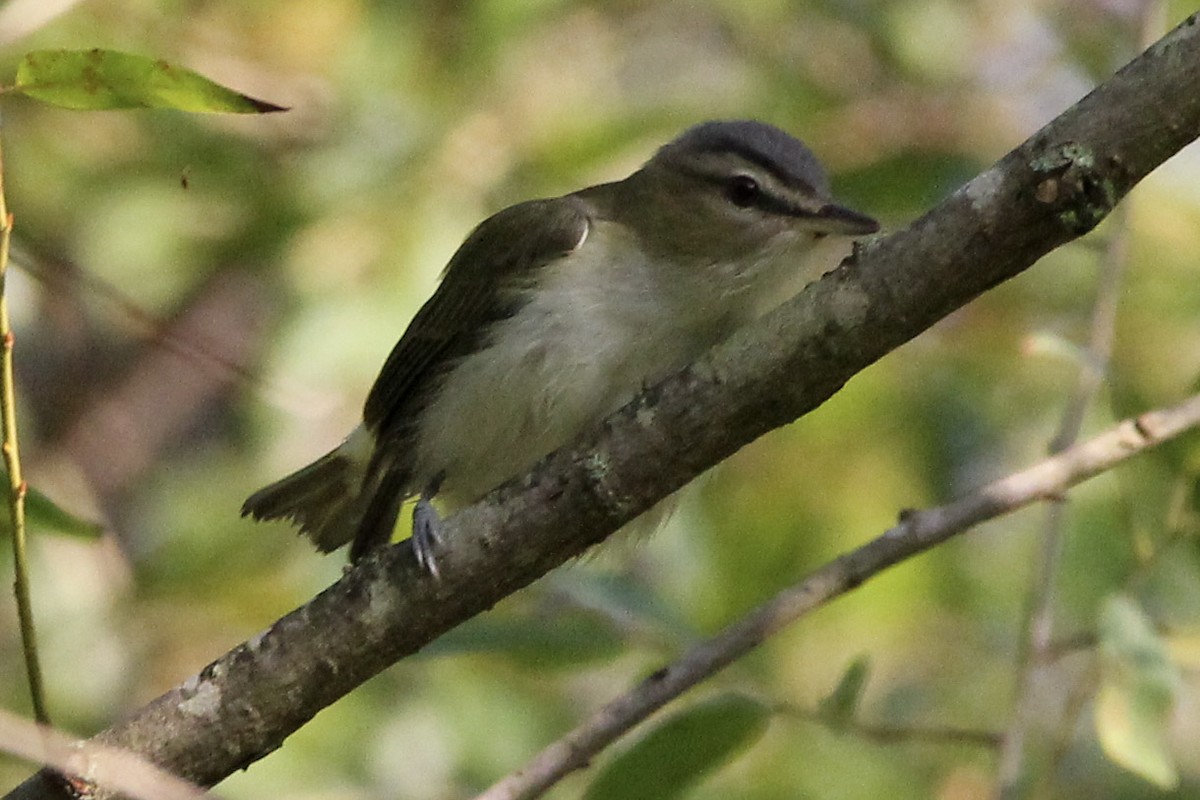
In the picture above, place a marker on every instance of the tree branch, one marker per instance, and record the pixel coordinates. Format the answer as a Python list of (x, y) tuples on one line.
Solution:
[(116, 768), (916, 532), (1053, 188)]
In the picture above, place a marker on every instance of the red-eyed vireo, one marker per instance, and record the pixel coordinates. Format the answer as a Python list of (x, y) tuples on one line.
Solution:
[(554, 313)]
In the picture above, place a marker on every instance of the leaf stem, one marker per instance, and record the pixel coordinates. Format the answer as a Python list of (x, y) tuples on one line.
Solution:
[(17, 485)]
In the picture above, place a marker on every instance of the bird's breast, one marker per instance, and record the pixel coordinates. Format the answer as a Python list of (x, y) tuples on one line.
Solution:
[(600, 325)]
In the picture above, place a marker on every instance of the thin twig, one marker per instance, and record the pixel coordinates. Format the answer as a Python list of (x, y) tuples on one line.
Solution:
[(17, 486), (122, 770), (1078, 695), (65, 276), (1038, 636), (898, 734), (917, 531), (1037, 645)]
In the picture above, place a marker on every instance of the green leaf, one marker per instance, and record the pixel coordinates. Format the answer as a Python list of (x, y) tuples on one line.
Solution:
[(572, 639), (678, 753), (841, 705), (43, 514), (619, 597), (107, 79), (1137, 693)]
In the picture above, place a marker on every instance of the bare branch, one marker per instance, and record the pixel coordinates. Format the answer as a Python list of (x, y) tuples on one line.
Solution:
[(917, 531), (118, 769), (1028, 724), (1038, 634)]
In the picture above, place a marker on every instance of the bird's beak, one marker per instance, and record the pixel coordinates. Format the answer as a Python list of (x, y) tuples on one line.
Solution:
[(844, 221)]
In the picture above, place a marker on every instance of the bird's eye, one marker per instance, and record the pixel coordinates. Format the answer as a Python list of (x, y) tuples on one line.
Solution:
[(742, 191)]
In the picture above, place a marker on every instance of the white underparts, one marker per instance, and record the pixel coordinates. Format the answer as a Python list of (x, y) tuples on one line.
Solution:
[(603, 324)]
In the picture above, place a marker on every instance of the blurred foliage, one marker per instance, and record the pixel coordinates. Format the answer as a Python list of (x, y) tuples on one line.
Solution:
[(666, 762), (205, 301), (1137, 693)]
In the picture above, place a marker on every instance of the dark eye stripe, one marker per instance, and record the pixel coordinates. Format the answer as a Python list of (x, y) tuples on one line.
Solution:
[(763, 199), (777, 205)]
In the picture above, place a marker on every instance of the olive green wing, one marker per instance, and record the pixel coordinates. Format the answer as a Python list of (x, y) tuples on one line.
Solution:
[(482, 285)]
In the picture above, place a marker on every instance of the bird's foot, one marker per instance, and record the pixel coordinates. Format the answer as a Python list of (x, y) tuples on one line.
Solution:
[(427, 531)]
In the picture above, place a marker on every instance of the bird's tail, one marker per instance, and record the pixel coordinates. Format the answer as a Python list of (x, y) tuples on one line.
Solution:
[(322, 499)]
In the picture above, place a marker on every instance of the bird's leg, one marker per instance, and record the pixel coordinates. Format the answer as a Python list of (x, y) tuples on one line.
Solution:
[(427, 526)]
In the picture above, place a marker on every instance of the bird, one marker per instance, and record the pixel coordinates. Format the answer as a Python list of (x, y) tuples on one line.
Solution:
[(553, 313)]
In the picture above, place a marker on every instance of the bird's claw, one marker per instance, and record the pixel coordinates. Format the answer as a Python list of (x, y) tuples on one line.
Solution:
[(426, 535)]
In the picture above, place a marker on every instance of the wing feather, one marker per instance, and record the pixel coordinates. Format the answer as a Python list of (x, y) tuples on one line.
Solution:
[(482, 285)]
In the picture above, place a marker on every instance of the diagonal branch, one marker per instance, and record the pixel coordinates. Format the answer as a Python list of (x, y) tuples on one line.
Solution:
[(916, 532), (1053, 188)]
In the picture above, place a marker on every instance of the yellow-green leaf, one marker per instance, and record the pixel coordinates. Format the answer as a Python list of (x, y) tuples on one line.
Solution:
[(1137, 693), (108, 79), (840, 706), (44, 515), (573, 639)]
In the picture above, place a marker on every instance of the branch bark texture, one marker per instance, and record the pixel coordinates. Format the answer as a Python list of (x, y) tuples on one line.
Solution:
[(1053, 188)]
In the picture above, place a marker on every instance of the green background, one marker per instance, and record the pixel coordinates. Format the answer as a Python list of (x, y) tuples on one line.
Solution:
[(202, 303)]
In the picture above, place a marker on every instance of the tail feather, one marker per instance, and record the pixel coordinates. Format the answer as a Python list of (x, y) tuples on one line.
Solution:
[(322, 499), (377, 519)]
